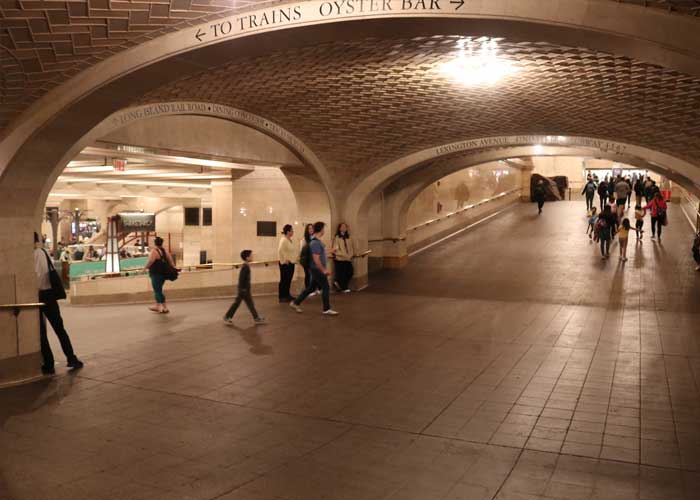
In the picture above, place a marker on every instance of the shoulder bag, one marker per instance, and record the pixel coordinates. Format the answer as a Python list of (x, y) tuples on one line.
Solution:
[(57, 289)]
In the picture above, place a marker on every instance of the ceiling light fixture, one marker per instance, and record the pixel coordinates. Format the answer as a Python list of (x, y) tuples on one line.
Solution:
[(478, 63)]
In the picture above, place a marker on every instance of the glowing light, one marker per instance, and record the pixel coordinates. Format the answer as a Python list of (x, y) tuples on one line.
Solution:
[(477, 63)]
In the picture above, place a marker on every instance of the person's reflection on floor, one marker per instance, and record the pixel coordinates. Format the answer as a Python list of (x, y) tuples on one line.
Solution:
[(253, 339)]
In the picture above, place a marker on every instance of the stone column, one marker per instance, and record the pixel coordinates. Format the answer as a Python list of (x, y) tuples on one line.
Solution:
[(222, 221), (526, 175), (20, 359)]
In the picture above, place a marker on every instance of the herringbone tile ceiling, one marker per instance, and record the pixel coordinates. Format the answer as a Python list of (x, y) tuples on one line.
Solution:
[(361, 104), (45, 42)]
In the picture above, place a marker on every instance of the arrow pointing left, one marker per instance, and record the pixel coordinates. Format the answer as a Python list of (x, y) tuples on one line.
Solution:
[(200, 34)]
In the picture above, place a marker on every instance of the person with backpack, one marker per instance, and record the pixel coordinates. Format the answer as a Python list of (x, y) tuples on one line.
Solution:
[(611, 187), (50, 292), (589, 190), (305, 258), (602, 231), (161, 268), (603, 194), (287, 255), (319, 272), (658, 209)]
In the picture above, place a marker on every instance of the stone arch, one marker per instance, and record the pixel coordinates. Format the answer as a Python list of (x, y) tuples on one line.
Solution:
[(130, 115), (497, 148), (650, 35)]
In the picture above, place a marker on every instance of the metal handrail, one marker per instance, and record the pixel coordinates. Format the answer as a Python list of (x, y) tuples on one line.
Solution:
[(687, 197), (464, 209), (201, 267), (28, 305), (393, 240), (17, 308)]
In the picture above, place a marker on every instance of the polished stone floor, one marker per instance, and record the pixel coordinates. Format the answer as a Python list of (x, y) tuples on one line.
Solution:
[(507, 363)]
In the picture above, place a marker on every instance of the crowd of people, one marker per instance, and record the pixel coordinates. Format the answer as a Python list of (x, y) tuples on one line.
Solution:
[(615, 200), (311, 254)]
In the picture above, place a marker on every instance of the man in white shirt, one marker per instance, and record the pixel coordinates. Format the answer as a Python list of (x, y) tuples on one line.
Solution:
[(50, 311)]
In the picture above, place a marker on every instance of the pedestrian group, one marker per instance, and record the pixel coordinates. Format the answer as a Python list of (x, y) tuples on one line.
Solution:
[(615, 196)]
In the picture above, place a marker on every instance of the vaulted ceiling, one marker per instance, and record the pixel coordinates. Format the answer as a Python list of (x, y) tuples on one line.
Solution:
[(45, 42), (361, 104)]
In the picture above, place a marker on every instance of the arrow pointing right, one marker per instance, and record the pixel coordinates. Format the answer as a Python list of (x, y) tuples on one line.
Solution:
[(200, 34), (459, 3)]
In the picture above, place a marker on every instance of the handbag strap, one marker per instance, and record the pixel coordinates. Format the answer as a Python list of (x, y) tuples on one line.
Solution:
[(48, 260)]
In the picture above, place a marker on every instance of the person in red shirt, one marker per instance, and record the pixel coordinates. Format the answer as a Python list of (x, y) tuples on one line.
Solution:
[(658, 209)]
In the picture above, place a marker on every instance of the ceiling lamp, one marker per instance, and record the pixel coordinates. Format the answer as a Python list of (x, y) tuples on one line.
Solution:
[(477, 63)]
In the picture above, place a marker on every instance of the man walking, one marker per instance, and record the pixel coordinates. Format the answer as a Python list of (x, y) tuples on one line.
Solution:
[(589, 190), (622, 190), (603, 193), (319, 272)]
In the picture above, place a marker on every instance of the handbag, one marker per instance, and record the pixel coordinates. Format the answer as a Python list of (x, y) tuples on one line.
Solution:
[(57, 289), (163, 267)]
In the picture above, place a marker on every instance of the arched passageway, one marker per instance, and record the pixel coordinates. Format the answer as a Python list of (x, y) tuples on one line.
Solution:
[(354, 93)]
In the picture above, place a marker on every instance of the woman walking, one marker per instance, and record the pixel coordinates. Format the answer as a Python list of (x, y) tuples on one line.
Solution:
[(287, 255), (160, 267), (658, 215), (344, 251)]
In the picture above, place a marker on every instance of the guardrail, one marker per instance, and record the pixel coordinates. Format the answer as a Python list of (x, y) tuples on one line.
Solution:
[(689, 10), (17, 308), (695, 211), (196, 268), (463, 210)]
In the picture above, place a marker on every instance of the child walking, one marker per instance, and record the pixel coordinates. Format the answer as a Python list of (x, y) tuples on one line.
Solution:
[(639, 214), (623, 233), (592, 218), (244, 294)]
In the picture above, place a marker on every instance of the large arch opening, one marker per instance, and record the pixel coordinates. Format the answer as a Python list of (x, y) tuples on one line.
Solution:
[(380, 203), (359, 91), (218, 180)]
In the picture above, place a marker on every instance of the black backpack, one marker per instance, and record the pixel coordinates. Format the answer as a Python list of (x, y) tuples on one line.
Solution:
[(305, 257)]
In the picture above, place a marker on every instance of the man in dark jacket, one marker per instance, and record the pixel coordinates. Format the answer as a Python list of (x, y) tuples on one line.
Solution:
[(589, 190), (539, 194), (603, 193), (244, 293)]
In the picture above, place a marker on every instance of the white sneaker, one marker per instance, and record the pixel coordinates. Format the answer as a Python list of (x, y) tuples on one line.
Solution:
[(347, 290), (331, 312), (313, 293), (697, 268), (295, 307), (228, 321)]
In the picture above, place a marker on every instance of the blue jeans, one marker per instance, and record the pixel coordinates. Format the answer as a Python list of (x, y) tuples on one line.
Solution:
[(157, 281)]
